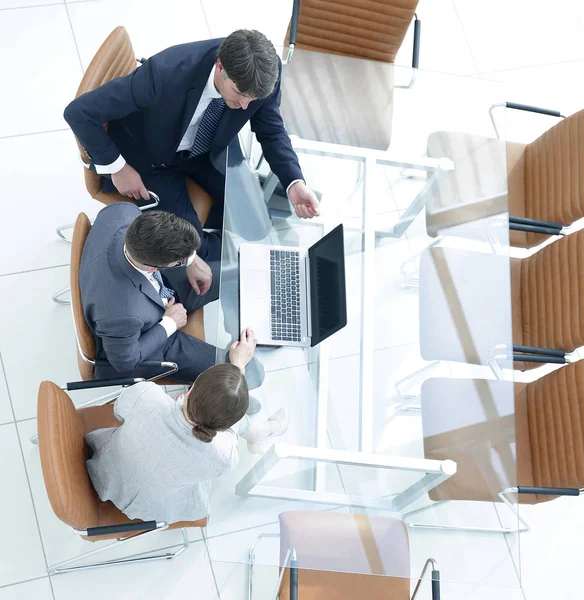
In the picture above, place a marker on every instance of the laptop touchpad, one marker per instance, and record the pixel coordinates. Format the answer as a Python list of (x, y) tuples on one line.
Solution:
[(255, 284)]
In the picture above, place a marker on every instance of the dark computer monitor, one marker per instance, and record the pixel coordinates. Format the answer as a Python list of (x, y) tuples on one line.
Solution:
[(328, 293)]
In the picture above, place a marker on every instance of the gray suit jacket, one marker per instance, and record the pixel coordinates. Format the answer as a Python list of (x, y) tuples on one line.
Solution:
[(121, 307)]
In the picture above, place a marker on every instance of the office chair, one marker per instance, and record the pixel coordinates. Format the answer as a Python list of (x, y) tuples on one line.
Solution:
[(323, 97), (537, 183), (546, 430), (341, 556), (332, 36), (63, 452), (116, 58), (546, 303), (86, 353)]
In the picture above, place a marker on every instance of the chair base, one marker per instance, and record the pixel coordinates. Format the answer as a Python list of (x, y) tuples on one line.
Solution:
[(60, 232), (502, 494), (69, 565), (59, 299)]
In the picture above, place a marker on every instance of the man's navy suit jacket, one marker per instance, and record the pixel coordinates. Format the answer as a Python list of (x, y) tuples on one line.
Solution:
[(150, 109)]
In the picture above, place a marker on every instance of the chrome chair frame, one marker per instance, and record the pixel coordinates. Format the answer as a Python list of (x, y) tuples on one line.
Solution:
[(503, 496), (66, 566)]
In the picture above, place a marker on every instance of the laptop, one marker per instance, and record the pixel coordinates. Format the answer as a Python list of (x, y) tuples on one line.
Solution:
[(293, 296)]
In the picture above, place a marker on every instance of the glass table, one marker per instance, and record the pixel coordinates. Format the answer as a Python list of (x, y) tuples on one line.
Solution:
[(407, 412)]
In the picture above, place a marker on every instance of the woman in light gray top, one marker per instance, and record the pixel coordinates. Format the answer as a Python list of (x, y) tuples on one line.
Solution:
[(159, 463)]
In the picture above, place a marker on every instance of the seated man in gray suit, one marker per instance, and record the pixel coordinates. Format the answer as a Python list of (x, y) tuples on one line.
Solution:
[(139, 276)]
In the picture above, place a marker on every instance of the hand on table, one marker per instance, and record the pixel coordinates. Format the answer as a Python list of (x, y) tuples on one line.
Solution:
[(200, 276), (242, 351), (177, 312), (303, 200), (129, 183)]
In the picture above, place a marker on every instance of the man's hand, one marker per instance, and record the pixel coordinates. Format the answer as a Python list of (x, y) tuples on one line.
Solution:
[(129, 183), (241, 352), (303, 200), (200, 276), (177, 312)]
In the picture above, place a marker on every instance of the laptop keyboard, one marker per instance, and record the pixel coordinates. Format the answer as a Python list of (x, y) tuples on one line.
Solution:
[(285, 292)]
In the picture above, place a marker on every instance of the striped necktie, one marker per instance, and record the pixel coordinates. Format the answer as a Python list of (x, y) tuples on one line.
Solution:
[(207, 127), (165, 292)]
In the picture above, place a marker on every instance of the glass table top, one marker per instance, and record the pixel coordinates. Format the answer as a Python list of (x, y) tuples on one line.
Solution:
[(408, 411)]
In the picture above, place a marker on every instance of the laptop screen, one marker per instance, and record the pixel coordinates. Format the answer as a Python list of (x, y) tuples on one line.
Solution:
[(328, 294)]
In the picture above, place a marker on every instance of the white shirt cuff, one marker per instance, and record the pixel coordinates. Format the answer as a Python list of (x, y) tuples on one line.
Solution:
[(169, 325), (295, 181), (112, 167)]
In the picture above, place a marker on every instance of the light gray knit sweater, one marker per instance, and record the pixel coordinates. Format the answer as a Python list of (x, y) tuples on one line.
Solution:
[(152, 467)]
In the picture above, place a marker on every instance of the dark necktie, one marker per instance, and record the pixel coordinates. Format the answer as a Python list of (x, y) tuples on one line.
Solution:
[(207, 127), (165, 292)]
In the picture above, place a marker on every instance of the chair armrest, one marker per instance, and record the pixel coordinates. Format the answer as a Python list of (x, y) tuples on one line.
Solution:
[(124, 381), (524, 107), (294, 23), (435, 579), (548, 491), (533, 228), (151, 364), (416, 50), (541, 351), (535, 222), (535, 109), (293, 578), (539, 358), (415, 54), (123, 528), (529, 354), (539, 355), (98, 383)]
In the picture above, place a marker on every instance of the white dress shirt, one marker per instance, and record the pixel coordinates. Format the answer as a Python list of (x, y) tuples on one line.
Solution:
[(208, 94), (168, 323)]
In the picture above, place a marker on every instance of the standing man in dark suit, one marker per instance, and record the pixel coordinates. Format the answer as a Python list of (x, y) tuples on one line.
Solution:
[(140, 274), (176, 115)]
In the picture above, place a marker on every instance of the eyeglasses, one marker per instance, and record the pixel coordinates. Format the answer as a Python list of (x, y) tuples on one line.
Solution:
[(179, 263)]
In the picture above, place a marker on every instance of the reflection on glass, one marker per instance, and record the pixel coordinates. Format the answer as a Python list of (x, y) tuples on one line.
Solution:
[(398, 417)]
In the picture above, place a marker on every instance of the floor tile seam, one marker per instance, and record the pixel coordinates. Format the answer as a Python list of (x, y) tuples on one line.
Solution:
[(74, 39), (211, 565), (466, 40), (22, 582), (524, 67), (18, 437), (62, 3), (205, 17), (17, 135), (35, 270)]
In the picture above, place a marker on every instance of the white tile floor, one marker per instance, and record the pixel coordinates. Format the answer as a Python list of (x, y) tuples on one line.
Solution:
[(536, 49)]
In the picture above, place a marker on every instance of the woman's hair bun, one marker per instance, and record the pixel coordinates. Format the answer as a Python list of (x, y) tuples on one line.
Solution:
[(204, 434)]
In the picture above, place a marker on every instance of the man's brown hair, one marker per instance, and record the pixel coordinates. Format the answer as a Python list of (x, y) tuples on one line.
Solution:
[(250, 61), (157, 239)]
